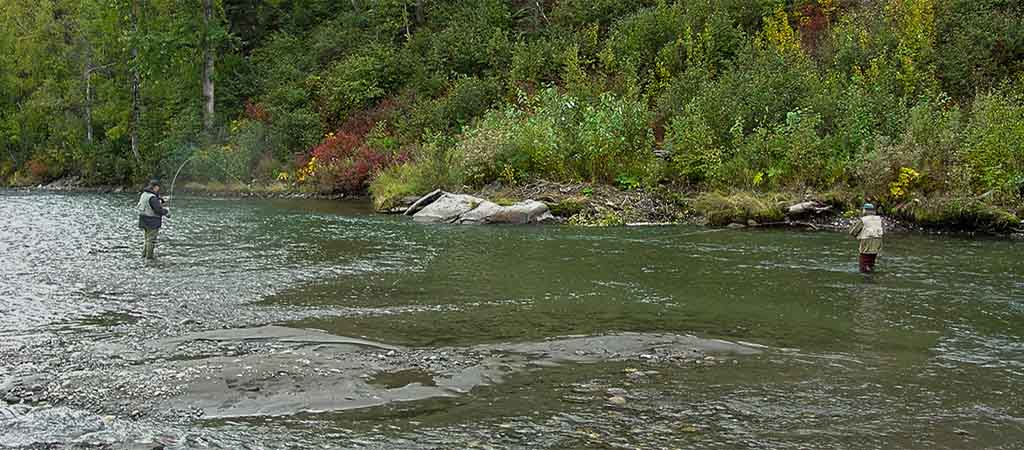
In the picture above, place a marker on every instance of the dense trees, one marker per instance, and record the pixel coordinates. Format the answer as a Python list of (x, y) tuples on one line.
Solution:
[(766, 94)]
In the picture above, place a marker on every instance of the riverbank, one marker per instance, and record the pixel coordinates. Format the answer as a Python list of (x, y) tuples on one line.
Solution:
[(208, 189), (586, 204)]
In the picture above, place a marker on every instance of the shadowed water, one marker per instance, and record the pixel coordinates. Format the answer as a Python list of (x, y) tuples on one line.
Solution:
[(928, 353)]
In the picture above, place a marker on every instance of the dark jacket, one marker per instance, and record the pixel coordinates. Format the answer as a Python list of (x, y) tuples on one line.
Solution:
[(157, 205)]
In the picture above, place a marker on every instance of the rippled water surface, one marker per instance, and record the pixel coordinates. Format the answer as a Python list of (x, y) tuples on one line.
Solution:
[(928, 353)]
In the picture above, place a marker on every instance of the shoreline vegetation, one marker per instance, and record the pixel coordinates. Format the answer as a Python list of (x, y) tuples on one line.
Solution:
[(591, 205), (612, 112)]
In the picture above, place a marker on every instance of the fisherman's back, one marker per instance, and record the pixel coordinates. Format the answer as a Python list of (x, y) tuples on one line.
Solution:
[(148, 217), (869, 231)]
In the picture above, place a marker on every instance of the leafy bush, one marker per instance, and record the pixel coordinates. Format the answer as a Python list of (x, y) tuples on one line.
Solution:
[(720, 209), (431, 168), (695, 155), (535, 61), (345, 161), (613, 139), (477, 150), (957, 213), (103, 163), (251, 141), (787, 155), (981, 43), (995, 143), (292, 130), (560, 137), (466, 99), (356, 81), (579, 13), (634, 42), (930, 146), (473, 39)]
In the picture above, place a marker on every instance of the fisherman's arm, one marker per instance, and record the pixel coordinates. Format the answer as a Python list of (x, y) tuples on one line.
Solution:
[(856, 228), (158, 207)]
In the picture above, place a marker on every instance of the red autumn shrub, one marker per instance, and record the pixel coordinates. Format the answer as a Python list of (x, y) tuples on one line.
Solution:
[(38, 169), (813, 21), (256, 111), (344, 156)]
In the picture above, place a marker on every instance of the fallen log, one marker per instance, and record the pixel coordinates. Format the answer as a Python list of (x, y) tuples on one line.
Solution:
[(807, 207), (423, 202), (788, 223)]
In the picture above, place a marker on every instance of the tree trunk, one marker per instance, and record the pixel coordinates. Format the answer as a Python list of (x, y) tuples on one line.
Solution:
[(136, 107), (540, 12), (208, 66), (419, 12), (87, 109)]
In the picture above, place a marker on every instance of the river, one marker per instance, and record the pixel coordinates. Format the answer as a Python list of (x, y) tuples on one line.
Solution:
[(314, 324)]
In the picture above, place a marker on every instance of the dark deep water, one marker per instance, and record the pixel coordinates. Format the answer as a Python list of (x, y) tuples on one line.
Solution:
[(929, 353)]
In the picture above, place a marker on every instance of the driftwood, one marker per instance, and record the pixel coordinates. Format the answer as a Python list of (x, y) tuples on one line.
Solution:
[(810, 206), (423, 202), (788, 223)]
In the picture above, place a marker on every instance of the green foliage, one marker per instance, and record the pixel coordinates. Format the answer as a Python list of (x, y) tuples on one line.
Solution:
[(981, 43), (355, 82), (430, 169), (654, 45), (929, 145), (995, 143), (759, 95), (466, 99), (478, 150), (634, 43), (696, 156), (787, 155), (568, 207), (958, 213), (561, 137), (471, 39), (720, 209), (535, 61), (627, 182), (580, 13)]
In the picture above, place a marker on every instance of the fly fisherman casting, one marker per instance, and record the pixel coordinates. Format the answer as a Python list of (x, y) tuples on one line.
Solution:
[(151, 215)]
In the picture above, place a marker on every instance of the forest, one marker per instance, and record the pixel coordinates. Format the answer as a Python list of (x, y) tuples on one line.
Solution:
[(903, 102)]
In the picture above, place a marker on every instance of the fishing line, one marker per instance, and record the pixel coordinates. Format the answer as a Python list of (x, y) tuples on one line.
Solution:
[(173, 180)]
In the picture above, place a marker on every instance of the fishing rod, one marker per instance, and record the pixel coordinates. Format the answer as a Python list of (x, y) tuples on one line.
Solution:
[(182, 166), (173, 180)]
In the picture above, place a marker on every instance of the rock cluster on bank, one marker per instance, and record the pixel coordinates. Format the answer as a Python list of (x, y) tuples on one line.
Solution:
[(445, 207)]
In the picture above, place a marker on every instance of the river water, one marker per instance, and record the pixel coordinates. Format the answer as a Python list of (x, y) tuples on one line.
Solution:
[(314, 324)]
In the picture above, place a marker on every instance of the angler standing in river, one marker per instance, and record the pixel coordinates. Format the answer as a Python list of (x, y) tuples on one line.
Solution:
[(151, 216), (869, 231)]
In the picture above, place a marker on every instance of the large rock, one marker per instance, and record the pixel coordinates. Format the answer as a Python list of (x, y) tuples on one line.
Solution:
[(447, 208), (482, 214), (467, 209), (530, 211)]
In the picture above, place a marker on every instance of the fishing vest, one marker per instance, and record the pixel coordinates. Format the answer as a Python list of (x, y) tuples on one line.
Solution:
[(872, 228), (144, 208)]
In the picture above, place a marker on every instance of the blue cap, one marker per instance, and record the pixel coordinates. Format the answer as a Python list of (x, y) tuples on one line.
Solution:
[(869, 206)]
